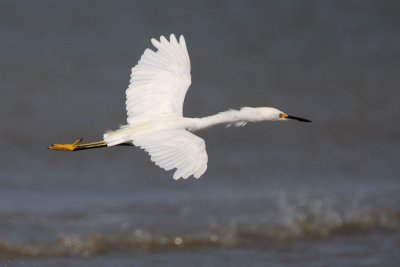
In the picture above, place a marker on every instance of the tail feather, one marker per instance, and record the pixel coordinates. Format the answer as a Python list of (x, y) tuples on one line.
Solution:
[(113, 138), (126, 134)]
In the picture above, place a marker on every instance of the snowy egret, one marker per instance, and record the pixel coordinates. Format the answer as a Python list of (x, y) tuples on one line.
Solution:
[(154, 103)]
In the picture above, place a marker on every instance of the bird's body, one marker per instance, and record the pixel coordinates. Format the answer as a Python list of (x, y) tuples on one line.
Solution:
[(154, 104)]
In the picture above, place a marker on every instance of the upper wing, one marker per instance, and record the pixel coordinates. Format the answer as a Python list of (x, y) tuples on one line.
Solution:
[(160, 80), (175, 148)]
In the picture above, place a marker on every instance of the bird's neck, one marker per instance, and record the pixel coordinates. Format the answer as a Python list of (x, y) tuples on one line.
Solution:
[(229, 117)]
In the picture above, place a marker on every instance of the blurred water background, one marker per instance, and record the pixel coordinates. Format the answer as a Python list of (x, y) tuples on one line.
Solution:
[(275, 194)]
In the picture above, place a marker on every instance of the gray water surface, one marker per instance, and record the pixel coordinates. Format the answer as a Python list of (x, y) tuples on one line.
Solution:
[(274, 194)]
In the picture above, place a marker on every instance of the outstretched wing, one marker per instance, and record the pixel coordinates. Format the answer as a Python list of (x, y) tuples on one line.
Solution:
[(175, 148), (160, 80)]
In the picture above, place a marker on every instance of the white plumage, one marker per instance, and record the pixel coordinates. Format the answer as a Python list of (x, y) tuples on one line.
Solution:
[(154, 102), (160, 80), (175, 148)]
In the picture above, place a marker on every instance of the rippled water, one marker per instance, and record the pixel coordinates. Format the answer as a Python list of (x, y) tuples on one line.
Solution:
[(283, 194)]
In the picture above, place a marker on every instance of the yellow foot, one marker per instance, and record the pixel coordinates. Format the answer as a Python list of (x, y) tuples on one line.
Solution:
[(66, 147)]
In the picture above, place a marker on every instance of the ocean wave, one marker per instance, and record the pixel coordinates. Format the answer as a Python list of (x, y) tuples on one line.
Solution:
[(308, 228)]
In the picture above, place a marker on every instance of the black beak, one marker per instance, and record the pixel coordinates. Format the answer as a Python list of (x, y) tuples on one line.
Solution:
[(297, 118)]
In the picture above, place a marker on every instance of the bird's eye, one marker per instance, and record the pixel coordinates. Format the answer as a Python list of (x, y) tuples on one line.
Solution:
[(283, 115)]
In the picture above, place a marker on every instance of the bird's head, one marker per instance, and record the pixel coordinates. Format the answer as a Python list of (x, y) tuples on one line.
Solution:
[(273, 114)]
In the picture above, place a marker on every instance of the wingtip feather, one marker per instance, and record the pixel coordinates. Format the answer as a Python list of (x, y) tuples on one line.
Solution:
[(163, 39), (172, 38)]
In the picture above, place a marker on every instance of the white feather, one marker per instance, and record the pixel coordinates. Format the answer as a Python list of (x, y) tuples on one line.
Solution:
[(175, 148), (160, 80), (154, 103)]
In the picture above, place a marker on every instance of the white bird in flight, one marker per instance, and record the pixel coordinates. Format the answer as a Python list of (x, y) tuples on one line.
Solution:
[(154, 103)]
